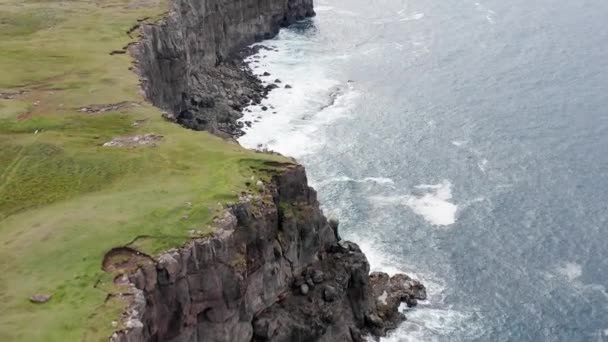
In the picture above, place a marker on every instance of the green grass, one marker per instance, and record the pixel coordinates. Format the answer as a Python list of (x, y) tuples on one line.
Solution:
[(64, 199)]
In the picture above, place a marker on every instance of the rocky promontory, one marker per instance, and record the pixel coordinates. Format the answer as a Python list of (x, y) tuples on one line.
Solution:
[(274, 269)]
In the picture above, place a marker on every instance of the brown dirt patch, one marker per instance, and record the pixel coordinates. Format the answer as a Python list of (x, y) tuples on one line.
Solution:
[(124, 259)]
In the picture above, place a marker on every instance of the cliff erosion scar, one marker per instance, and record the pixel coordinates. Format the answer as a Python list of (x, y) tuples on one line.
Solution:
[(274, 269)]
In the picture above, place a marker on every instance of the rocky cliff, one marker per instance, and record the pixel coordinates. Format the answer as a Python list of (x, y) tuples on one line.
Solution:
[(275, 270), (189, 62)]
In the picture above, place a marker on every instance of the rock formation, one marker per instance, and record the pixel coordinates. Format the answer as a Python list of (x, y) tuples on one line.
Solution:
[(275, 269), (190, 63)]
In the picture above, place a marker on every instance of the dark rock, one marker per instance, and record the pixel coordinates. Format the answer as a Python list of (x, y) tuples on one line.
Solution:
[(266, 73), (298, 281), (264, 108), (390, 292), (374, 319), (330, 293), (333, 224), (318, 276), (277, 81), (287, 86), (411, 301)]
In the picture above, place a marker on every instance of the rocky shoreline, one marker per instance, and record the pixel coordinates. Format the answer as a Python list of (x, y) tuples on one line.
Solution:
[(275, 268), (191, 62)]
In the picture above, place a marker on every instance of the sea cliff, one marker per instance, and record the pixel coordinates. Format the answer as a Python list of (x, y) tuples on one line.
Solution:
[(189, 61), (117, 223), (274, 269)]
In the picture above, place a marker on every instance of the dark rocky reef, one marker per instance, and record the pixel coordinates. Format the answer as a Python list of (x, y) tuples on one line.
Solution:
[(191, 63), (275, 270)]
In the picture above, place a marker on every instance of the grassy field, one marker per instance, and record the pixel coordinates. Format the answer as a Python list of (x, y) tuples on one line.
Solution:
[(65, 200)]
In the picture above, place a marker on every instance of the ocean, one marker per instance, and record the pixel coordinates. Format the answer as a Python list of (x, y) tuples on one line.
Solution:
[(464, 143)]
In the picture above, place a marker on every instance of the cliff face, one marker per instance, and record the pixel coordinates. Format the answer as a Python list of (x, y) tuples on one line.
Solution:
[(187, 62), (275, 270)]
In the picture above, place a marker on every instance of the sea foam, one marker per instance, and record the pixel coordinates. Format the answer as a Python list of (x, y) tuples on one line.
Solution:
[(291, 120), (432, 203)]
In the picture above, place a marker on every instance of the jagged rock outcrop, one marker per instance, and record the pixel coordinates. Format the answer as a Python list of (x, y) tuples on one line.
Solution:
[(273, 271), (190, 65)]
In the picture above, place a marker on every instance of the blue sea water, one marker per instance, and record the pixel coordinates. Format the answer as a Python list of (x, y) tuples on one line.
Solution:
[(464, 143)]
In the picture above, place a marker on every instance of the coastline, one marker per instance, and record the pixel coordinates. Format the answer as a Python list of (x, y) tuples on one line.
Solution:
[(333, 284), (116, 221)]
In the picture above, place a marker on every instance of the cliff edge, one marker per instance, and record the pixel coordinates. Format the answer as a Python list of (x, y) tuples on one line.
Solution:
[(115, 222), (189, 62), (275, 269)]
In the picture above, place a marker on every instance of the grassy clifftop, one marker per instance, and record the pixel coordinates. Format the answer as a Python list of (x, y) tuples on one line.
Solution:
[(65, 199)]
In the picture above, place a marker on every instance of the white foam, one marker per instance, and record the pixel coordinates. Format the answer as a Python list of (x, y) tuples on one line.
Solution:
[(458, 143), (428, 323), (416, 16), (339, 179), (433, 205), (570, 270), (295, 117), (380, 261), (400, 17), (323, 8), (379, 180), (482, 165)]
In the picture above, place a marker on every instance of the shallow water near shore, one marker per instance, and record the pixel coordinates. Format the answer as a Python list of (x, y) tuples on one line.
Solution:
[(464, 143)]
